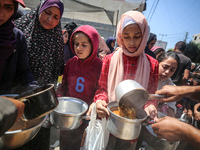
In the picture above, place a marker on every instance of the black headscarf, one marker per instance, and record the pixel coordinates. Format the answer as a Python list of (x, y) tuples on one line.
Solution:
[(7, 40), (147, 50)]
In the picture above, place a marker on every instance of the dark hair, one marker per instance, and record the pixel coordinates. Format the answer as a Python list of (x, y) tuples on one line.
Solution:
[(158, 50), (181, 46), (168, 54)]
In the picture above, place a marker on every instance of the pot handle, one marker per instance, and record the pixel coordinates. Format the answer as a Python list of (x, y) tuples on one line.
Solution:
[(85, 117)]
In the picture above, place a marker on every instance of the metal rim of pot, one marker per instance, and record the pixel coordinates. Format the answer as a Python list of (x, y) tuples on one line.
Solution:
[(18, 131), (40, 92), (67, 114)]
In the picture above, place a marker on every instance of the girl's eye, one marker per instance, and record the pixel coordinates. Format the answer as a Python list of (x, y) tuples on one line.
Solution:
[(137, 37), (76, 44), (172, 70), (56, 17), (9, 7), (126, 37)]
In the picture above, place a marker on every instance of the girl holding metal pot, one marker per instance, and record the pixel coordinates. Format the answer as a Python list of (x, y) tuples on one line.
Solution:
[(129, 62)]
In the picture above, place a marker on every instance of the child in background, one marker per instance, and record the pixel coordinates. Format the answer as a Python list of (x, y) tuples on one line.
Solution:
[(110, 42), (128, 62), (168, 63), (80, 78), (157, 50)]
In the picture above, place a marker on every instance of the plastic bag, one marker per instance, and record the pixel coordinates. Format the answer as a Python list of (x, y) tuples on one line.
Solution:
[(97, 134)]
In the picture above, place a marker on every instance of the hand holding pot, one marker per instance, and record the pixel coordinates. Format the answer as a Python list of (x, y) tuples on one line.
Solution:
[(151, 111), (169, 128), (172, 93), (90, 110), (102, 110)]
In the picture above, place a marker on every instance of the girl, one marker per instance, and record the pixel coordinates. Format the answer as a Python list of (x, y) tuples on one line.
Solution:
[(157, 50), (128, 62), (80, 78), (168, 63), (43, 33)]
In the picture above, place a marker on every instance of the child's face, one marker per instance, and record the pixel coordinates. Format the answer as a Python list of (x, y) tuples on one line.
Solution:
[(167, 68), (82, 46), (6, 10), (132, 37)]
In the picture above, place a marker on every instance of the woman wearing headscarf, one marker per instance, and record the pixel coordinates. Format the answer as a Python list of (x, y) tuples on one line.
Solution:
[(111, 43), (43, 33), (13, 50), (150, 43)]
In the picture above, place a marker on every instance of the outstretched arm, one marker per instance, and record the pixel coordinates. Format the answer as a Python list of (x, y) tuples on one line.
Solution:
[(176, 93), (173, 130)]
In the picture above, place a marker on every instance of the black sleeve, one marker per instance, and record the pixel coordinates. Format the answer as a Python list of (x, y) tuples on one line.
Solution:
[(8, 114)]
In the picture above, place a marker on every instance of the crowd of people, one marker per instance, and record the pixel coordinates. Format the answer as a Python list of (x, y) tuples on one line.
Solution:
[(35, 50)]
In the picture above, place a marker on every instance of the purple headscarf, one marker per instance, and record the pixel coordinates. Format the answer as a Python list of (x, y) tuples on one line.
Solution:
[(50, 3), (7, 40)]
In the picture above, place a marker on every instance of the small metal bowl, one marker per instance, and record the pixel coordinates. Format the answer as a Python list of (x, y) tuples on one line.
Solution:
[(68, 114)]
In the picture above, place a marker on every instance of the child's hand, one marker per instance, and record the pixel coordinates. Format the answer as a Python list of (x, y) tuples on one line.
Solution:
[(102, 110), (90, 110), (151, 111)]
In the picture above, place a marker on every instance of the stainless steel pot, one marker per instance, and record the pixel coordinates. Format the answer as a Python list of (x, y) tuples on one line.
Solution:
[(69, 113), (21, 133), (132, 94), (123, 128), (151, 138)]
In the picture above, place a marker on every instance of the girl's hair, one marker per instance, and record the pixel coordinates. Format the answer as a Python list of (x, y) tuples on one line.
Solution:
[(158, 50), (168, 54)]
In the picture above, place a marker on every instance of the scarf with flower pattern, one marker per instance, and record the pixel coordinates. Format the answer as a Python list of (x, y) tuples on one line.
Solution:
[(45, 47)]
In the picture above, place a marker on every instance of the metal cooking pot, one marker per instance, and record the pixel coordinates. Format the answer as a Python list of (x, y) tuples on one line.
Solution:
[(151, 139), (39, 102), (123, 128), (132, 94), (21, 133), (68, 114)]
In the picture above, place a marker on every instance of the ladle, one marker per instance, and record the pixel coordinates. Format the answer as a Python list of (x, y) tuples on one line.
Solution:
[(131, 94)]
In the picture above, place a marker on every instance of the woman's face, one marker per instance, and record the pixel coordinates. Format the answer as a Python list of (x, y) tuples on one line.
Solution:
[(167, 68), (113, 44), (49, 18), (82, 46), (6, 10), (132, 37), (65, 37), (152, 43)]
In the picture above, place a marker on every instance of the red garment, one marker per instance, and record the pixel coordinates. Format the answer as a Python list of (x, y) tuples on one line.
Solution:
[(130, 67), (80, 79)]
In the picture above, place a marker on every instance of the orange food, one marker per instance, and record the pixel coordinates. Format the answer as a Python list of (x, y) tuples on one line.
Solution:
[(126, 112)]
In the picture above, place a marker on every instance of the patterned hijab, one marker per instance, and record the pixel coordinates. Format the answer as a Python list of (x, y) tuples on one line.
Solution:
[(116, 69), (45, 47)]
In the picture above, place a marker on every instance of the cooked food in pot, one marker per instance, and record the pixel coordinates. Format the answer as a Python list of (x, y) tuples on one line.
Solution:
[(126, 112)]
